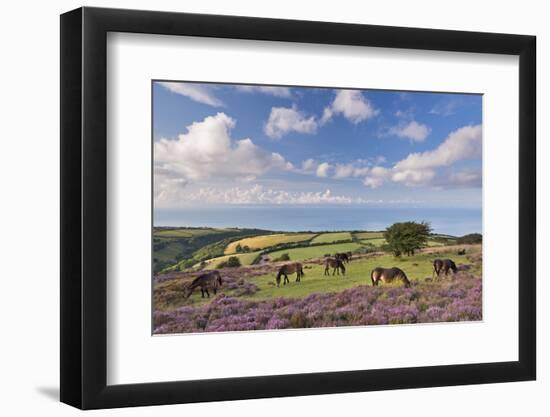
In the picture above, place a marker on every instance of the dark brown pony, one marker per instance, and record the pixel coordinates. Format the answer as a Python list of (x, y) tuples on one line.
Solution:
[(290, 269), (211, 280), (387, 275), (336, 264), (342, 256), (443, 265)]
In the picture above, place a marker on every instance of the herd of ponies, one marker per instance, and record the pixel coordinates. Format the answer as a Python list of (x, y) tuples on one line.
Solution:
[(212, 280)]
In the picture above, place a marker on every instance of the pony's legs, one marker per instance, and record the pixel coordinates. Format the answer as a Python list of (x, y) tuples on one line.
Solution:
[(202, 293), (207, 294)]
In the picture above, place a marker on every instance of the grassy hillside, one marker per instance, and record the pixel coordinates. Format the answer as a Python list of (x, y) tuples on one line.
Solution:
[(357, 273), (178, 248), (377, 241), (266, 241), (245, 258), (368, 235), (332, 237), (308, 252)]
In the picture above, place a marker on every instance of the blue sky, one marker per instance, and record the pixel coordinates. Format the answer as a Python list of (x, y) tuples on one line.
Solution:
[(219, 144)]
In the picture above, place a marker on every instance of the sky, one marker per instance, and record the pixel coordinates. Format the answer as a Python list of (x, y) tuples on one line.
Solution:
[(229, 144)]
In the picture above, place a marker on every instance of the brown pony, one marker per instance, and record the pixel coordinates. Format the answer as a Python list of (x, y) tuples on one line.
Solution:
[(387, 275), (211, 280), (336, 264), (290, 269), (342, 256), (443, 265)]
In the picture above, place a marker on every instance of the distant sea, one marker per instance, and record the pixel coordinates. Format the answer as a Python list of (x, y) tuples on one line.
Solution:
[(452, 221)]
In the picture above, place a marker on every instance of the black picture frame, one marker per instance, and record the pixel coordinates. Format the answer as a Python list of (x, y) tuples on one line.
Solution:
[(84, 207)]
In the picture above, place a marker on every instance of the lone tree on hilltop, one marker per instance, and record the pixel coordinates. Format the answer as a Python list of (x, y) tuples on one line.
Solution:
[(407, 237)]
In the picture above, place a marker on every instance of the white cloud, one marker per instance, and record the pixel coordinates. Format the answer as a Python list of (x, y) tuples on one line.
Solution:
[(351, 104), (377, 177), (357, 168), (350, 170), (323, 169), (463, 143), (261, 195), (208, 151), (283, 120), (283, 92), (308, 164), (412, 130), (423, 168), (196, 92)]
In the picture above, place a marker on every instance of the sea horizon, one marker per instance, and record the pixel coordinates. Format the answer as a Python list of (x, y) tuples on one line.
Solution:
[(451, 221)]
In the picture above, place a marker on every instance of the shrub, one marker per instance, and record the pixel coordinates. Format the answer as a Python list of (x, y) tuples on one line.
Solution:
[(283, 257), (232, 262)]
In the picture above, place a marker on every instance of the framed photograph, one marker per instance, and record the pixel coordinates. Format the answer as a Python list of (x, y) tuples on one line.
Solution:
[(256, 208)]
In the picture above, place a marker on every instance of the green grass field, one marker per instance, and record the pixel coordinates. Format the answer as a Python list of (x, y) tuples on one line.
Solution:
[(245, 258), (377, 241), (368, 235), (357, 273), (332, 237), (300, 254), (266, 241)]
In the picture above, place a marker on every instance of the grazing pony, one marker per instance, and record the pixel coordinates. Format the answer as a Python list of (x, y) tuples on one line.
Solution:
[(342, 257), (336, 264), (461, 252), (290, 269), (211, 280), (387, 275), (443, 265)]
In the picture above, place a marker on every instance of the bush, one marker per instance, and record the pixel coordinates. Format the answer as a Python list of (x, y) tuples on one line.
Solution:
[(283, 257), (232, 262)]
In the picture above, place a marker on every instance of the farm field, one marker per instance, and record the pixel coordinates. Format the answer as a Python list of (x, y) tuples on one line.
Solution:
[(266, 241), (308, 252), (376, 241), (332, 237), (181, 248), (368, 235), (244, 258)]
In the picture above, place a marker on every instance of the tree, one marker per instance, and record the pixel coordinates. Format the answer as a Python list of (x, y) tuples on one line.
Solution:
[(238, 248), (407, 237)]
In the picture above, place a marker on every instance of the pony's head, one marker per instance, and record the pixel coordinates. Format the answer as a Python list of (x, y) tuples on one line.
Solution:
[(342, 267), (187, 290), (453, 267)]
